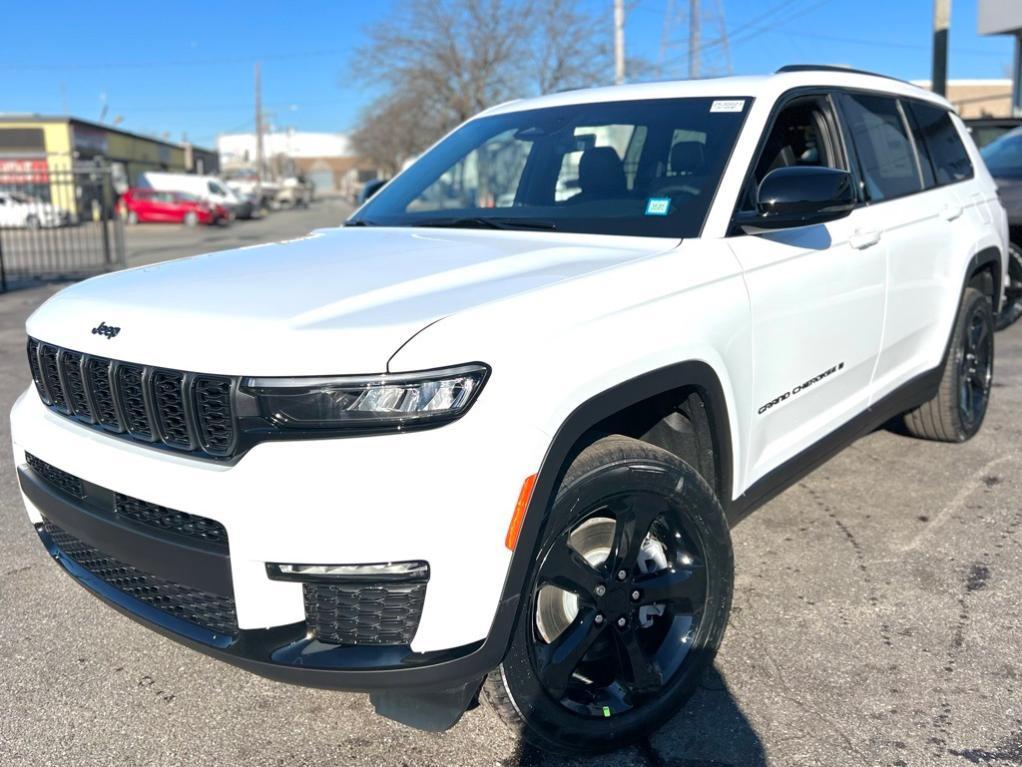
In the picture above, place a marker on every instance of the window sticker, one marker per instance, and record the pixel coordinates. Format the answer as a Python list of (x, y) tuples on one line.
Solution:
[(658, 206), (728, 105)]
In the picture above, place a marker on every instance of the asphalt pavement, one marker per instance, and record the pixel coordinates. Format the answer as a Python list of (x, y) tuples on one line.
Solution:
[(876, 621)]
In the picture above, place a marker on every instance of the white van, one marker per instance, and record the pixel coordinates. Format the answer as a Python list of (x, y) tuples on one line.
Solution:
[(210, 188)]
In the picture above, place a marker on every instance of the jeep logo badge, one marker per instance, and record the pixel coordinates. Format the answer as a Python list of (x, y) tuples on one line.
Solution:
[(105, 330)]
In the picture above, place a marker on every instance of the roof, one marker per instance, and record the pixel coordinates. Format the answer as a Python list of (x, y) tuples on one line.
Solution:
[(36, 118), (759, 86)]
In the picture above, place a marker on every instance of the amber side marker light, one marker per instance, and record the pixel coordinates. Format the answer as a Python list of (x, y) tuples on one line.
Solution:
[(519, 516)]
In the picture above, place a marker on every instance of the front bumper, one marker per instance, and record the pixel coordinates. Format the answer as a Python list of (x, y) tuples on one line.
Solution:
[(324, 501), (285, 653)]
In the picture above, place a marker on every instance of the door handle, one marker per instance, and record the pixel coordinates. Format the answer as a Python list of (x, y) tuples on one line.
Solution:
[(951, 211), (861, 240)]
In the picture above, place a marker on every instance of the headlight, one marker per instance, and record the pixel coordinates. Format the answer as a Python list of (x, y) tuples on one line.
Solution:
[(367, 402)]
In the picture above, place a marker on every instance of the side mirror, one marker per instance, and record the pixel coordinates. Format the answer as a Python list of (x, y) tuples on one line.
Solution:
[(370, 188), (802, 195)]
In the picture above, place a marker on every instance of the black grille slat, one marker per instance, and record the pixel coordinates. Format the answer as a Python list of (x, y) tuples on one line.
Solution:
[(212, 396), (51, 376), (207, 532), (37, 374), (171, 409), (364, 614), (78, 399), (209, 611), (97, 376), (131, 391), (56, 478), (189, 412)]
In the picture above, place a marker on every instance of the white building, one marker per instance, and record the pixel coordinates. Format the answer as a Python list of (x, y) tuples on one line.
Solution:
[(237, 149), (326, 159)]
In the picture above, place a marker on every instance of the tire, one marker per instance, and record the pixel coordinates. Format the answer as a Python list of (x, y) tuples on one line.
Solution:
[(686, 557), (191, 218), (956, 413), (32, 221), (1012, 308), (132, 218)]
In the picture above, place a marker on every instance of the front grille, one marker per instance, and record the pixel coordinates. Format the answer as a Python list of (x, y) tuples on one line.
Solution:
[(209, 611), (51, 376), (364, 614), (51, 475), (172, 408), (78, 399), (97, 377), (177, 523), (131, 387)]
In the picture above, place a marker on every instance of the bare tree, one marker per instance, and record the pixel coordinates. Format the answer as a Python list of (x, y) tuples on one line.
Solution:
[(438, 62)]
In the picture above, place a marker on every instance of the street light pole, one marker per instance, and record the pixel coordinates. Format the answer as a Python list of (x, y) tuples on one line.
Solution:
[(619, 42), (941, 28), (694, 33), (259, 130)]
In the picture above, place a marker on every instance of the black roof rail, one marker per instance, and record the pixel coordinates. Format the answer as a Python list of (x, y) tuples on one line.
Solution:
[(832, 68)]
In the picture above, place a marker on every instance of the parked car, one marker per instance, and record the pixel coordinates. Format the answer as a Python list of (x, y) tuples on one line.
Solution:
[(140, 206), (262, 195), (295, 192), (455, 448), (986, 130), (1003, 158), (24, 211), (209, 188)]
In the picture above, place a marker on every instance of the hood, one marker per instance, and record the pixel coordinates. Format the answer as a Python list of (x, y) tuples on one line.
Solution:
[(335, 302)]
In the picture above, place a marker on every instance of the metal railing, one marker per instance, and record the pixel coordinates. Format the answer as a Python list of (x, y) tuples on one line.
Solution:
[(57, 223)]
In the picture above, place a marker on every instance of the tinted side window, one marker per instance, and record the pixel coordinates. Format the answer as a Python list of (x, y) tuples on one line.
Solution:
[(950, 160), (886, 159)]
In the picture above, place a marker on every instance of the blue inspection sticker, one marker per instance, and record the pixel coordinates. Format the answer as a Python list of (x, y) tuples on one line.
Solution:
[(658, 206)]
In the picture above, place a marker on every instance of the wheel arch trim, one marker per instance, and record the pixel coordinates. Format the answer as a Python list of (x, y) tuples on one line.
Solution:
[(691, 373), (988, 256)]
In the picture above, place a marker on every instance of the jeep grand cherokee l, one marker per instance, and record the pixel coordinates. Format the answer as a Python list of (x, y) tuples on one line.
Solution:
[(489, 437)]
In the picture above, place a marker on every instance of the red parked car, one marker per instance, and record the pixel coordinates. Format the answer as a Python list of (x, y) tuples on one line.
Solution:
[(150, 205)]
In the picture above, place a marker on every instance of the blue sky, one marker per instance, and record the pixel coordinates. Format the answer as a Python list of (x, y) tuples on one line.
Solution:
[(186, 67)]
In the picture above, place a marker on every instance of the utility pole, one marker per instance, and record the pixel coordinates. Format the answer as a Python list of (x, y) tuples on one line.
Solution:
[(619, 42), (941, 28), (259, 130), (694, 24)]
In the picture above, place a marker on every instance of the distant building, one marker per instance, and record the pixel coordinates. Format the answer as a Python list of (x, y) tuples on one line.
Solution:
[(326, 159), (34, 148), (978, 98), (1004, 17)]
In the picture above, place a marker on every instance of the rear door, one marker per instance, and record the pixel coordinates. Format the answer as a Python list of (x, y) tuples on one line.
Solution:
[(817, 297), (915, 218)]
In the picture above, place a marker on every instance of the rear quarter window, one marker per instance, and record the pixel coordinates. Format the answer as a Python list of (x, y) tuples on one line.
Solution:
[(943, 143)]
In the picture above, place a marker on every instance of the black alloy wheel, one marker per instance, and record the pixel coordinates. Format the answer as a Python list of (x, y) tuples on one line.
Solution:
[(975, 368), (626, 604), (621, 596)]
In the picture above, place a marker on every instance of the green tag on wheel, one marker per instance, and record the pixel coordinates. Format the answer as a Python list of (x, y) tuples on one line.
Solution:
[(606, 711)]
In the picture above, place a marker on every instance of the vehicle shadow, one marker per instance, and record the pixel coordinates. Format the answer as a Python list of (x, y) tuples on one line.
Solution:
[(710, 731)]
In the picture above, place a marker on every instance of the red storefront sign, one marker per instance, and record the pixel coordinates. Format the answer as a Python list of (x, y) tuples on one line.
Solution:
[(24, 172)]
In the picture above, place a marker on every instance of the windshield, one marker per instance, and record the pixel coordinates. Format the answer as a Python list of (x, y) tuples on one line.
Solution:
[(645, 168), (1004, 156)]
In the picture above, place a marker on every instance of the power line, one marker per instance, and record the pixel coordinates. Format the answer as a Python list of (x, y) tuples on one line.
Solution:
[(748, 31), (886, 44)]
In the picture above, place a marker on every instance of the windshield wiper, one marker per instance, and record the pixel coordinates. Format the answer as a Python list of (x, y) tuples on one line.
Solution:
[(483, 222), (359, 222)]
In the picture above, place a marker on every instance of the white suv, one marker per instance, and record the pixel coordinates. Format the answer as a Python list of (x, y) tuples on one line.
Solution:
[(491, 434)]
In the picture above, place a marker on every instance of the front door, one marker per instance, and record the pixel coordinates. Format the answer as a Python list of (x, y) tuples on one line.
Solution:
[(817, 298)]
